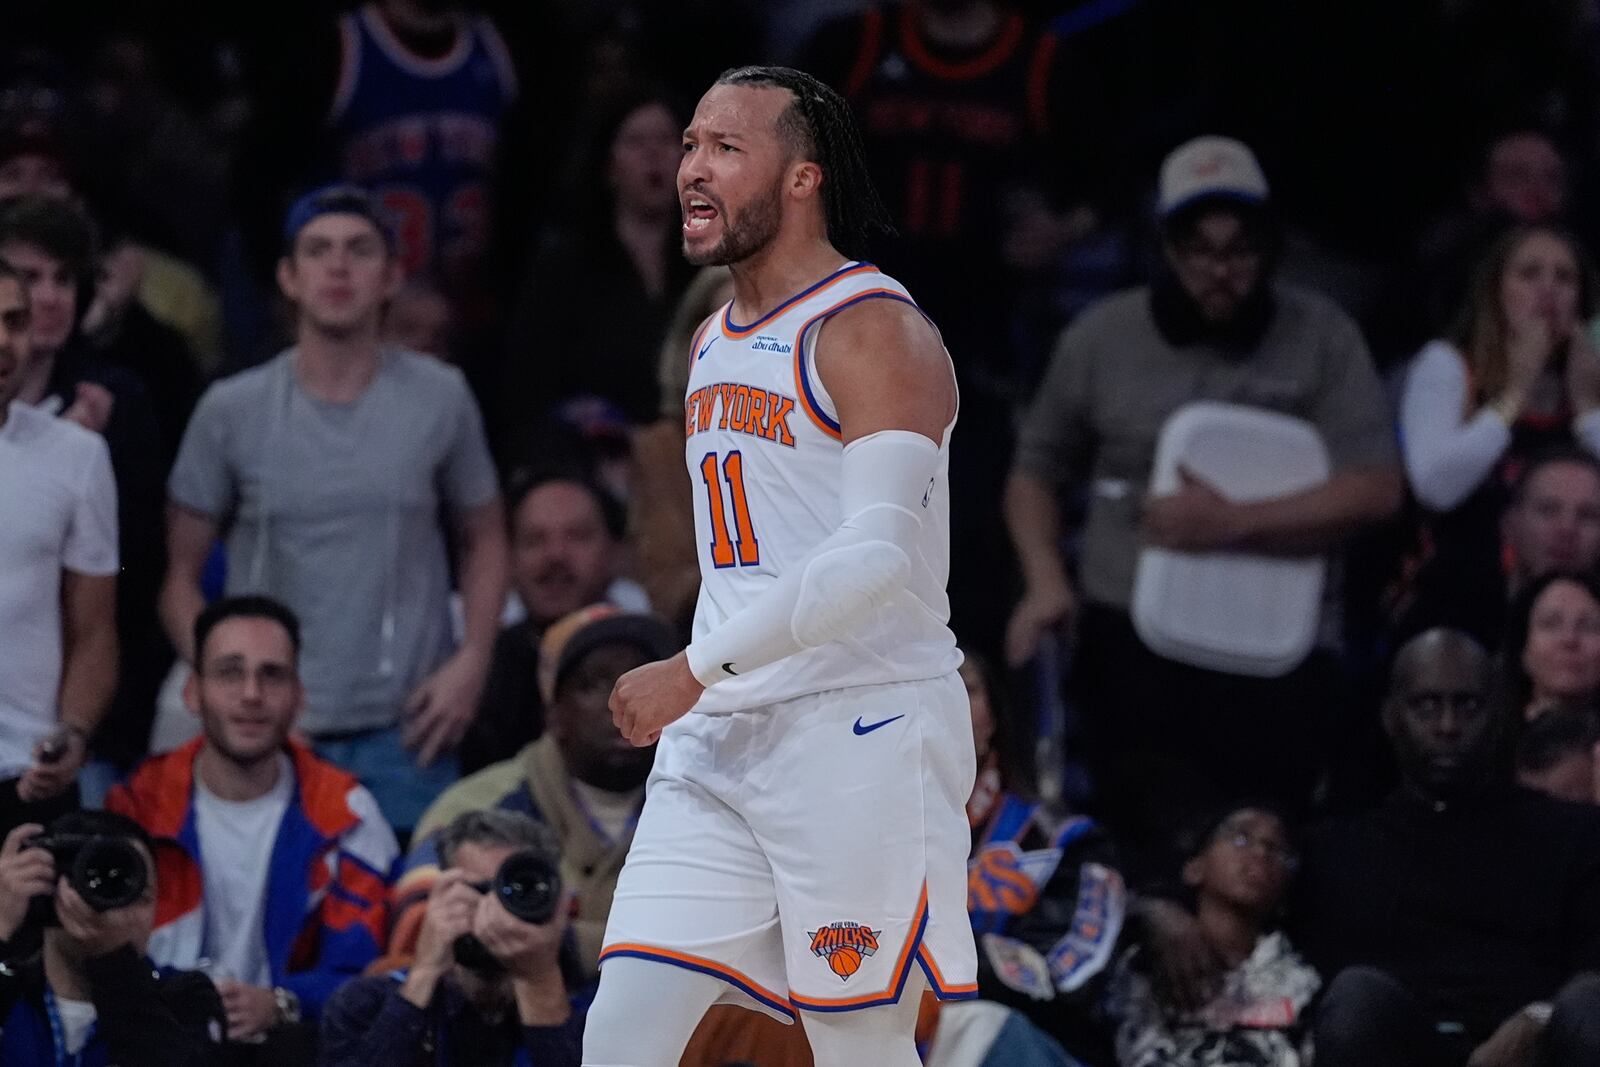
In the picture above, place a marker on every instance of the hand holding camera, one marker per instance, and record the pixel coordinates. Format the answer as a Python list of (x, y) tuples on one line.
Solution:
[(98, 932), (25, 873)]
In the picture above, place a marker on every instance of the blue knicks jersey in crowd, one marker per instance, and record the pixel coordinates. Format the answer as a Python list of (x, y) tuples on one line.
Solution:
[(422, 134)]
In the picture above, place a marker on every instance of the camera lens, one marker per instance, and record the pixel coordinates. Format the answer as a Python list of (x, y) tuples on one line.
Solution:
[(109, 872), (528, 887)]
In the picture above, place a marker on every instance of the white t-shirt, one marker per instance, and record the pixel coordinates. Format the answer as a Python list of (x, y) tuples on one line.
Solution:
[(58, 511), (614, 813), (77, 1016), (236, 839)]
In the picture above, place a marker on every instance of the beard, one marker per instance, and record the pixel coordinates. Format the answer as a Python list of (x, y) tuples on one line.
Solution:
[(742, 236)]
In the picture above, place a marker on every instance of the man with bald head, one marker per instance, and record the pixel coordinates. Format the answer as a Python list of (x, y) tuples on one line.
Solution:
[(1459, 921)]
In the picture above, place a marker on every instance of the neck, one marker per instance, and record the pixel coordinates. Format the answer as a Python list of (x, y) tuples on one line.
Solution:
[(336, 367), (971, 26), (36, 378), (66, 980), (640, 231), (778, 272), (1228, 930), (235, 781)]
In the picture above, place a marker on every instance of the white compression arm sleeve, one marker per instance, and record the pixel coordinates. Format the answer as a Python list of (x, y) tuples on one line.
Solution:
[(883, 496)]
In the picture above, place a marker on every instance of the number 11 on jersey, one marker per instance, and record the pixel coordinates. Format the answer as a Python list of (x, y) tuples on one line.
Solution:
[(744, 535)]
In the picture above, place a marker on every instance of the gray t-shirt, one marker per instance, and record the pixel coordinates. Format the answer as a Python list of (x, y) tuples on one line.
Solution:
[(335, 509), (1114, 381)]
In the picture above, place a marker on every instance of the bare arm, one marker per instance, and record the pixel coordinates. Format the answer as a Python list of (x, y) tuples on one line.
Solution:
[(1322, 518), (1033, 515), (89, 662), (483, 561), (190, 535), (1197, 518), (439, 710), (886, 369)]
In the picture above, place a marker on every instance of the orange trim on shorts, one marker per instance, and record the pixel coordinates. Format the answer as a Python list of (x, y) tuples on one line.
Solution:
[(897, 978), (739, 980), (942, 989)]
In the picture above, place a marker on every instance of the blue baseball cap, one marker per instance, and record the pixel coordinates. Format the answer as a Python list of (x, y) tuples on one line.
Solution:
[(336, 199)]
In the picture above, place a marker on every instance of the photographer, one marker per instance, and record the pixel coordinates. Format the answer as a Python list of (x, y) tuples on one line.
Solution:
[(482, 999), (91, 997)]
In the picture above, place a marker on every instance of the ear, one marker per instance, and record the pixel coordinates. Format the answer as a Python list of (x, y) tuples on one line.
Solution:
[(805, 180), (191, 693), (288, 283), (1191, 873)]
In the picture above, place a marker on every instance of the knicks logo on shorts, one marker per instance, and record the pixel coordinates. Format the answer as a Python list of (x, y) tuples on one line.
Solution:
[(844, 946)]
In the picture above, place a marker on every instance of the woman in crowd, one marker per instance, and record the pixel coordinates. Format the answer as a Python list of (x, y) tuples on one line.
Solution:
[(1238, 873), (609, 265), (1518, 373), (1552, 648)]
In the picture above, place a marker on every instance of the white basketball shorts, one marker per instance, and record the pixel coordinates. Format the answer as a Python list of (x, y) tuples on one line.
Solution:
[(809, 853)]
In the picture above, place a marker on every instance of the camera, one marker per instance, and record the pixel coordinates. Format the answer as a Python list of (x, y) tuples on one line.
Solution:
[(529, 887), (107, 871)]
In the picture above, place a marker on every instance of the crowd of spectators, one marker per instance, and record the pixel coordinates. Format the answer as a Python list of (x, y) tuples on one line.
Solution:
[(342, 360)]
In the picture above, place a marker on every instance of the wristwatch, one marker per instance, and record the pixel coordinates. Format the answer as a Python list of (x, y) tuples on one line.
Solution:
[(288, 1005)]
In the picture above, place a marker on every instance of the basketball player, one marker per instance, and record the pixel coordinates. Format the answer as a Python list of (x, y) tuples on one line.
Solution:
[(803, 843)]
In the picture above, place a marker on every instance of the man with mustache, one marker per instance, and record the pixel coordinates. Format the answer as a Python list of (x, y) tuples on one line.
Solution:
[(566, 539), (1216, 325)]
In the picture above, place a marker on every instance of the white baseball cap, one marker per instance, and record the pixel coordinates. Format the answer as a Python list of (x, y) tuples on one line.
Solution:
[(1210, 166)]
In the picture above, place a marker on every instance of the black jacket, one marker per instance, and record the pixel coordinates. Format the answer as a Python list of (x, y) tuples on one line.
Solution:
[(368, 1022), (144, 1017)]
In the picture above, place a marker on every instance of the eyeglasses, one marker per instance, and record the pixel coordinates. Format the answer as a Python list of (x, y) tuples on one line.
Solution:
[(270, 677), (1272, 850)]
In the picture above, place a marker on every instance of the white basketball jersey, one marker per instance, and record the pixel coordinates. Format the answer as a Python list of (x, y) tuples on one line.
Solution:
[(765, 454)]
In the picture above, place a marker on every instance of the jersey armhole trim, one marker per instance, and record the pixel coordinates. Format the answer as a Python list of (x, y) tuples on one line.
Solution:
[(810, 398)]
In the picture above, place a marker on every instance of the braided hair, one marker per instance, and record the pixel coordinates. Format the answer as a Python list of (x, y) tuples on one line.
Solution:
[(818, 126)]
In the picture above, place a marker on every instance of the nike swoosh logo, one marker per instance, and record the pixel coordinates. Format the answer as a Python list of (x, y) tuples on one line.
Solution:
[(729, 668), (863, 730), (702, 353)]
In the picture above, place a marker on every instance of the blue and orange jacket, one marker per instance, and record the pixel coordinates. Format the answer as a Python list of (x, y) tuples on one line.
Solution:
[(326, 912)]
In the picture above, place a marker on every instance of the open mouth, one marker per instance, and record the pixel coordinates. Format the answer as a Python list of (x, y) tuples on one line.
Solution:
[(698, 213)]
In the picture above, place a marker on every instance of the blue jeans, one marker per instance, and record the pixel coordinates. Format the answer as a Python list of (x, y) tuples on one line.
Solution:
[(389, 769)]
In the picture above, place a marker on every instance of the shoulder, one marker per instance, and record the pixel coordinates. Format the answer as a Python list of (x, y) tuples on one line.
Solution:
[(156, 794), (50, 435), (1318, 311), (1440, 356), (1110, 318), (887, 324), (427, 379), (246, 389), (488, 788), (1114, 313)]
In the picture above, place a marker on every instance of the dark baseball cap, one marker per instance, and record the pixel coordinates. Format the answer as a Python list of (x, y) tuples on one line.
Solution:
[(338, 199), (574, 636)]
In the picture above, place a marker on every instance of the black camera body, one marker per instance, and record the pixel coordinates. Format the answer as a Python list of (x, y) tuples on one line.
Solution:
[(107, 871), (526, 885)]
